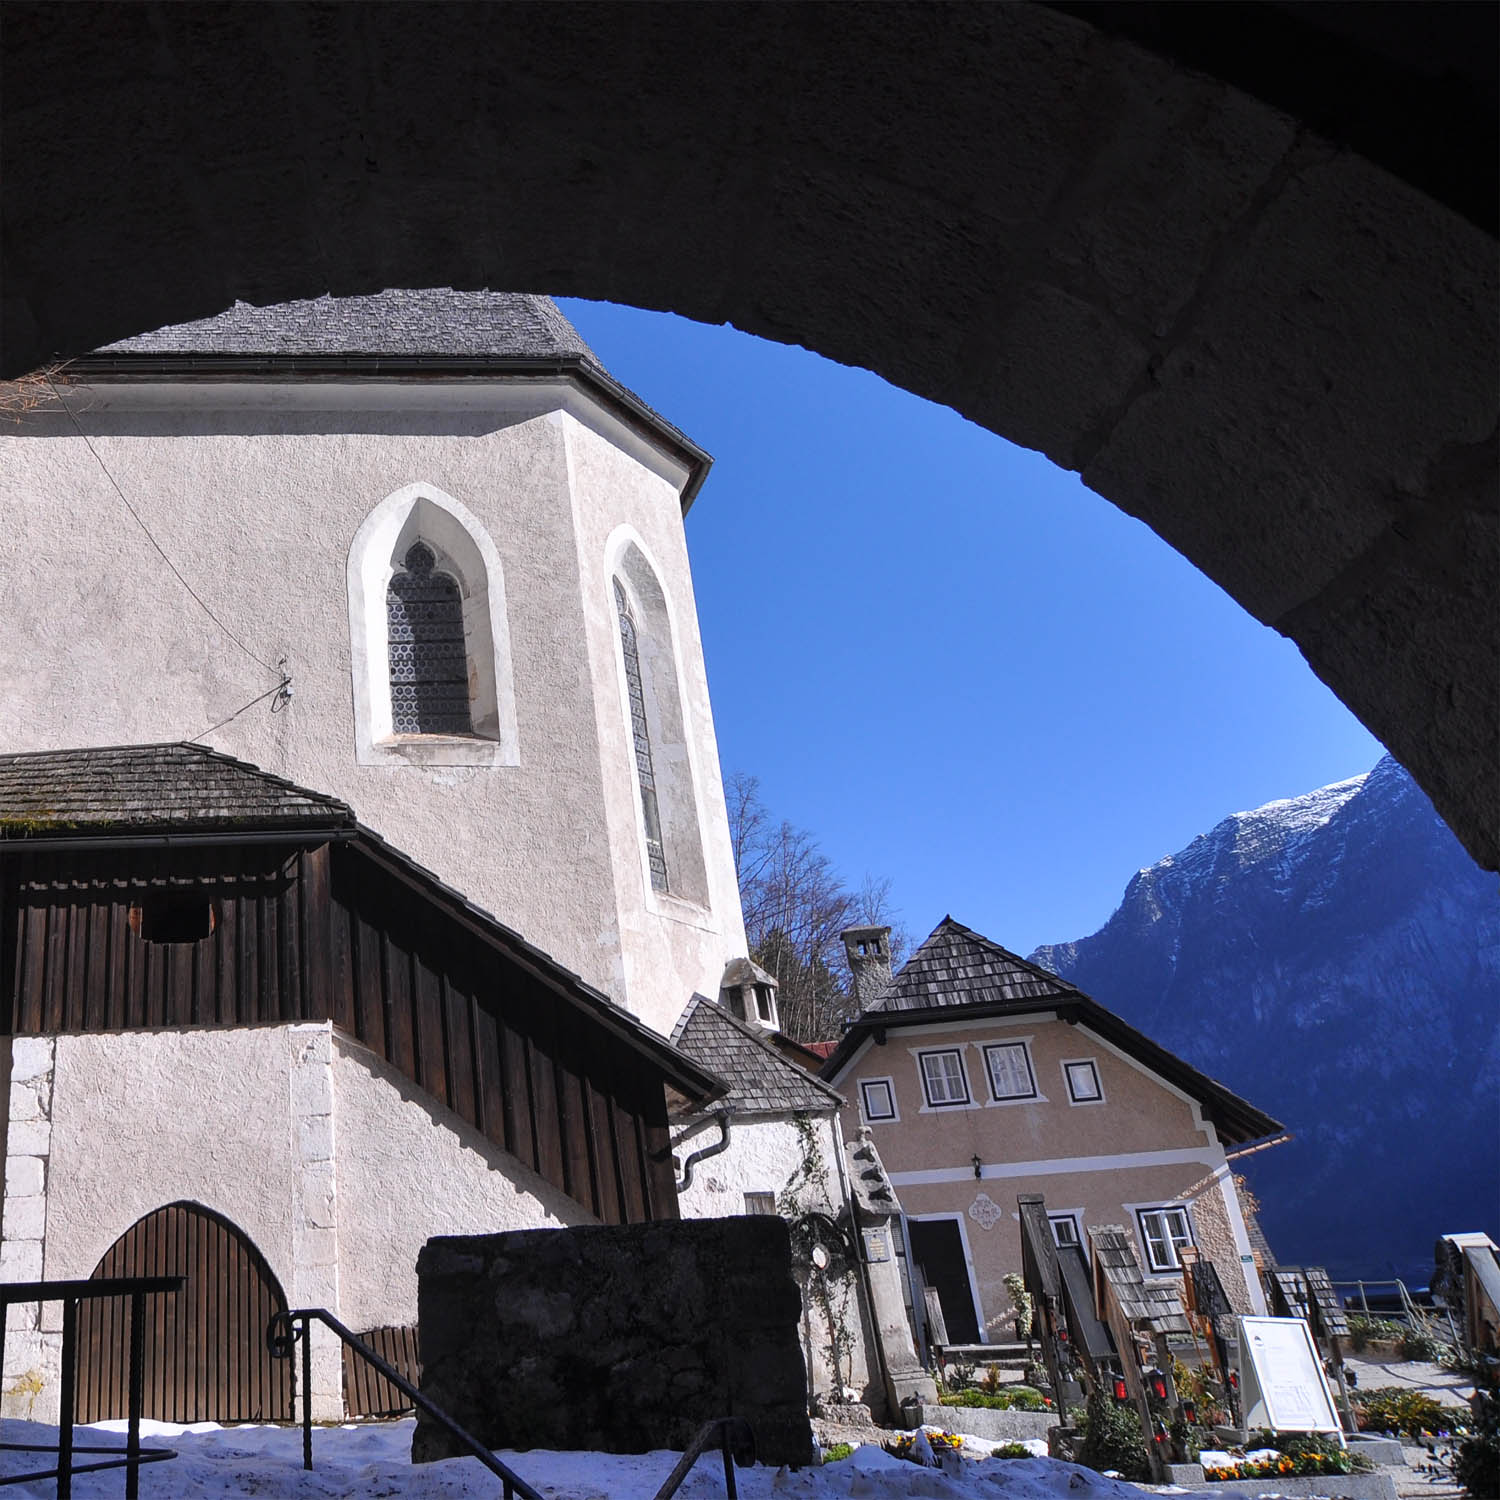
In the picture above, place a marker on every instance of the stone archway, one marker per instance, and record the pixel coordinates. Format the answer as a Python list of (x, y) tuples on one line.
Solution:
[(1272, 341)]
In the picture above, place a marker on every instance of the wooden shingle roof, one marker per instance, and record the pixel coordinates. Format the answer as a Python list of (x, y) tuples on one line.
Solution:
[(148, 788), (57, 800), (1154, 1303), (958, 967), (958, 974), (760, 1079)]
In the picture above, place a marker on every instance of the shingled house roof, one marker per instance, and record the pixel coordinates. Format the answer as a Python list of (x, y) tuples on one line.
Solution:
[(957, 973), (185, 788), (408, 332), (760, 1080), (958, 967)]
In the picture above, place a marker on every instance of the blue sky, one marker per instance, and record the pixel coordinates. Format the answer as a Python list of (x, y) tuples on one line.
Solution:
[(946, 658)]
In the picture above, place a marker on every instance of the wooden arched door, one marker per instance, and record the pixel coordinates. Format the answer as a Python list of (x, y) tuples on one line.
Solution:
[(206, 1355)]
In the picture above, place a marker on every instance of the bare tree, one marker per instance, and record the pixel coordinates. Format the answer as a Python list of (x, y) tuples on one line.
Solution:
[(795, 906)]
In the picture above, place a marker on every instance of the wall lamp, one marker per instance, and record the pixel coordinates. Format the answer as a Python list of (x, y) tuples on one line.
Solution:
[(978, 1166)]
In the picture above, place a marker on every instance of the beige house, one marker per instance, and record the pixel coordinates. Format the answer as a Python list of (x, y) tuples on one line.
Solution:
[(982, 1076)]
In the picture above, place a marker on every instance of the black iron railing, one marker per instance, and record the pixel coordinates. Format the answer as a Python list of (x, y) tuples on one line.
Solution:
[(70, 1294), (734, 1440), (731, 1435), (286, 1328)]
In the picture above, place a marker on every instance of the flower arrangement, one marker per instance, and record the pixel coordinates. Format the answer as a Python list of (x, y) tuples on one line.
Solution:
[(1276, 1465), (925, 1446)]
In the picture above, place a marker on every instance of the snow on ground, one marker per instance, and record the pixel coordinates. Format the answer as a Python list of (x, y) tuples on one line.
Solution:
[(372, 1461)]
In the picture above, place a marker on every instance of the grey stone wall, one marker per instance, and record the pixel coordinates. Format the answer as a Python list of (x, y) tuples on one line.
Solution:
[(621, 1339)]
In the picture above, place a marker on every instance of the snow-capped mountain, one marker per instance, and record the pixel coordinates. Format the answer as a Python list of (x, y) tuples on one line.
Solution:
[(1335, 958)]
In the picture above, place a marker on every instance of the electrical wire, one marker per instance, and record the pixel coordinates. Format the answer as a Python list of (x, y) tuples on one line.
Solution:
[(283, 695), (202, 604)]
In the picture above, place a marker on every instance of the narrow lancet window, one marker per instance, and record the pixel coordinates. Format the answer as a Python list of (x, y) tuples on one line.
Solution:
[(429, 663), (656, 855)]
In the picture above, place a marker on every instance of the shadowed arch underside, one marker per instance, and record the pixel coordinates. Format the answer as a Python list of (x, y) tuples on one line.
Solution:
[(1247, 289)]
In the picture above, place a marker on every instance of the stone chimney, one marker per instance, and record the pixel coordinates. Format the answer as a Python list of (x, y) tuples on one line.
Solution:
[(869, 953)]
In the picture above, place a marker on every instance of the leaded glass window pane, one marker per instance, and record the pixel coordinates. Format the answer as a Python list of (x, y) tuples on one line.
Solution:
[(656, 855), (429, 663)]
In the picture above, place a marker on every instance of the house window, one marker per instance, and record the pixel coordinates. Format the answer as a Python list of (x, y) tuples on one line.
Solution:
[(760, 1203), (1164, 1231), (1083, 1082), (428, 661), (765, 1004), (878, 1098), (943, 1077), (1009, 1065), (1065, 1230), (656, 854)]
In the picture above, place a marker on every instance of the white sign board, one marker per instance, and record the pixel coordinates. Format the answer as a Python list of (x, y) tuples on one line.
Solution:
[(1282, 1385)]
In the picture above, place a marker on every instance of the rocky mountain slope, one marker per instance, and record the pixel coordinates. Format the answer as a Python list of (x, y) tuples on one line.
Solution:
[(1336, 959)]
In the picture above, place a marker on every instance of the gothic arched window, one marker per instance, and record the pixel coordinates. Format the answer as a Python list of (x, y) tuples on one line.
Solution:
[(656, 855), (429, 662)]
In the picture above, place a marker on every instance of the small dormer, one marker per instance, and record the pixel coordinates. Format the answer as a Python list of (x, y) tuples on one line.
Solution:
[(748, 993)]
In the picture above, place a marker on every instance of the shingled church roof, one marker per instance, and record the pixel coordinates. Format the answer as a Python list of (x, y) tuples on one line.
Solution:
[(760, 1080), (423, 321), (422, 332)]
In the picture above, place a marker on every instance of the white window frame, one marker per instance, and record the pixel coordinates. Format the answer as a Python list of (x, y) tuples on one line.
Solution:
[(464, 550), (1153, 1264), (864, 1109), (995, 1096), (1072, 1217), (758, 1210), (670, 727), (963, 1073), (1083, 1062)]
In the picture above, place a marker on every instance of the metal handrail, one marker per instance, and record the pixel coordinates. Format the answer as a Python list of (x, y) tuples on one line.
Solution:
[(282, 1341), (70, 1294), (732, 1435), (736, 1442)]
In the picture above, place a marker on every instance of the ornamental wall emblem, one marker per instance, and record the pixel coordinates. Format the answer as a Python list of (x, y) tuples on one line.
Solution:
[(985, 1212)]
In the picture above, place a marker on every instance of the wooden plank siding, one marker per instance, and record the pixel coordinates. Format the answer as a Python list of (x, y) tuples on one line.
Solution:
[(331, 932), (367, 1393), (494, 1044)]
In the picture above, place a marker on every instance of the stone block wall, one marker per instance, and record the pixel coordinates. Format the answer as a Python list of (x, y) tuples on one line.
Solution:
[(617, 1338)]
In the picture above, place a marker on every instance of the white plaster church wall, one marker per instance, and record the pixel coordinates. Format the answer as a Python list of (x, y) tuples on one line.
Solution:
[(255, 493), (238, 1120), (337, 1169), (672, 943), (409, 1169), (766, 1152)]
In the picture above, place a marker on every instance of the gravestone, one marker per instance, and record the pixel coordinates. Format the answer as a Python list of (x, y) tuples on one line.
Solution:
[(621, 1339)]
